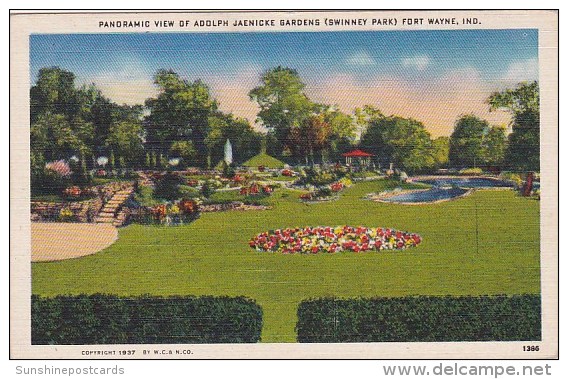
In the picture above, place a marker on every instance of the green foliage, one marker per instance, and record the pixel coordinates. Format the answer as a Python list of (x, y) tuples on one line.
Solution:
[(264, 160), (441, 147), (402, 141), (167, 187), (125, 138), (184, 150), (207, 189), (245, 140), (180, 112), (511, 177), (494, 146), (282, 101), (471, 171), (523, 102), (466, 141), (420, 319), (109, 319)]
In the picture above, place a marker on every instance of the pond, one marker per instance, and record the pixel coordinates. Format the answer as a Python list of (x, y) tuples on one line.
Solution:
[(426, 196), (465, 182)]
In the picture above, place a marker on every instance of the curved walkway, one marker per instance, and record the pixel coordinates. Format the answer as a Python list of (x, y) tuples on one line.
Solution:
[(59, 241)]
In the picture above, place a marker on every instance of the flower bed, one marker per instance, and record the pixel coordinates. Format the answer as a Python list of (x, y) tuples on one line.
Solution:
[(331, 240)]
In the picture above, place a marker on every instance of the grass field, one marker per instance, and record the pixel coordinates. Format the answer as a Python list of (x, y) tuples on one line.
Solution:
[(486, 243), (265, 160)]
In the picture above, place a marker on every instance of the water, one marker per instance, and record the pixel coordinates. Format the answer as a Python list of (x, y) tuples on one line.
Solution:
[(466, 182), (427, 196)]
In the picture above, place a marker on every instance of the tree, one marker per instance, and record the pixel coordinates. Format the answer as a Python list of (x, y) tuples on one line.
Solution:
[(180, 112), (494, 146), (393, 139), (310, 137), (283, 103), (466, 141), (184, 150), (342, 132), (55, 93), (441, 151), (53, 137), (523, 102), (245, 140), (125, 140)]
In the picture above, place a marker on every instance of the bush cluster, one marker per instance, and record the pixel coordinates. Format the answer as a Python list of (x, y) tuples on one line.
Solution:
[(109, 319), (420, 319)]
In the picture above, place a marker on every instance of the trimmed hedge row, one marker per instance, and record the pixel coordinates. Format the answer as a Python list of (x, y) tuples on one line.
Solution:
[(421, 319), (109, 319)]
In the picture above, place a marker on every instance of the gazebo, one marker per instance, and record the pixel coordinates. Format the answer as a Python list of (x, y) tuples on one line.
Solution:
[(358, 156)]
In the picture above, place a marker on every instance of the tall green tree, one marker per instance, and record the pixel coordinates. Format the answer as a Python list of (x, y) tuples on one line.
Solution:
[(283, 103), (402, 141), (342, 133), (125, 140), (523, 102), (466, 141), (441, 151), (54, 92), (494, 146), (180, 112), (53, 137)]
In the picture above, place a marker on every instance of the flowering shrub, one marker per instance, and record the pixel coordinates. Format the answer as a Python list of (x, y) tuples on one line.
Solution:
[(60, 167), (331, 240), (255, 189), (187, 206), (261, 168), (307, 196), (100, 173), (193, 182), (159, 212), (72, 192), (66, 215), (327, 191), (287, 172)]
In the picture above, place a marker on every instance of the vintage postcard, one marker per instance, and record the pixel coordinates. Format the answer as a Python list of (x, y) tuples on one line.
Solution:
[(355, 184)]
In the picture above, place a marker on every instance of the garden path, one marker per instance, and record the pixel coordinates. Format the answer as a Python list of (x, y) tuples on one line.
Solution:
[(53, 241)]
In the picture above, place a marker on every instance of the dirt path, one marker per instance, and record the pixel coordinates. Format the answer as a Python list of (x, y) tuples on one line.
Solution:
[(59, 241)]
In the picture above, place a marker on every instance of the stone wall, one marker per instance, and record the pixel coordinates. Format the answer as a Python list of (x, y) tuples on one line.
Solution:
[(81, 211)]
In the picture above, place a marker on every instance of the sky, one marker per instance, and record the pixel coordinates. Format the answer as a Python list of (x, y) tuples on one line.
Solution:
[(432, 76)]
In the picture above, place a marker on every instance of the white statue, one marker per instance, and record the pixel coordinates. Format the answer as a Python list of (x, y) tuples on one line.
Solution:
[(228, 153)]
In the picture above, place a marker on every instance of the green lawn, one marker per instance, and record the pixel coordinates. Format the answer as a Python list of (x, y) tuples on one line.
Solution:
[(486, 243), (265, 160)]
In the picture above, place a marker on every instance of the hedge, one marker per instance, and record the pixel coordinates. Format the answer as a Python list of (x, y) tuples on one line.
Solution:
[(420, 319), (109, 319)]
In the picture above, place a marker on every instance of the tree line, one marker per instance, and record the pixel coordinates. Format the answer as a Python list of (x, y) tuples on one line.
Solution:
[(184, 121)]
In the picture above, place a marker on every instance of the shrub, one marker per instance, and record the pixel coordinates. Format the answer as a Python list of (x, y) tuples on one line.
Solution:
[(167, 187), (109, 319), (512, 177), (471, 171), (420, 319)]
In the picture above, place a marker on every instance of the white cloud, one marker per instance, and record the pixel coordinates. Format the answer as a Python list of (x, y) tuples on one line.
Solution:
[(520, 71), (418, 62), (361, 58)]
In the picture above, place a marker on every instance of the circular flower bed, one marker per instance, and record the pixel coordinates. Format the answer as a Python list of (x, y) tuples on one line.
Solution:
[(333, 239)]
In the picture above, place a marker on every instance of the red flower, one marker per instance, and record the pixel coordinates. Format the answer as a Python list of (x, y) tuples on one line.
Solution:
[(72, 191)]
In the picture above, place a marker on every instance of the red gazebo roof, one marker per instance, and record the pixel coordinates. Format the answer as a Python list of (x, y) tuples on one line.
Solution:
[(357, 153)]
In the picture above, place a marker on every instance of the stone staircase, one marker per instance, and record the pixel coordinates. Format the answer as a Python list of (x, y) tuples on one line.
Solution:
[(112, 211)]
